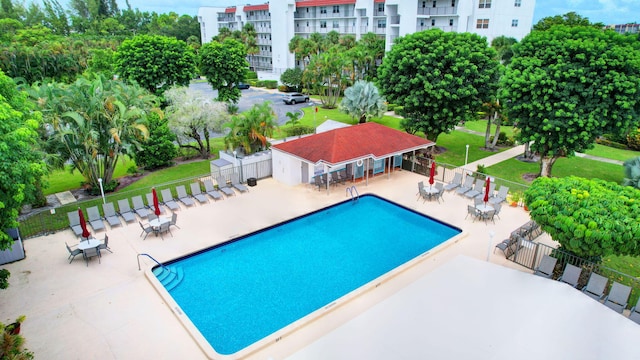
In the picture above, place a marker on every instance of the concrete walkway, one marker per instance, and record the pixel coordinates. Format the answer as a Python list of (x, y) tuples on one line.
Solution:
[(495, 159)]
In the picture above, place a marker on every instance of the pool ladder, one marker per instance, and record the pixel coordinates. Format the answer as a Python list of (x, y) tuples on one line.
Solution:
[(150, 257), (353, 192)]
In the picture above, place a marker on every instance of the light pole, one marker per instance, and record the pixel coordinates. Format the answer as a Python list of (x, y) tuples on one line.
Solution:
[(466, 157), (102, 190), (491, 235)]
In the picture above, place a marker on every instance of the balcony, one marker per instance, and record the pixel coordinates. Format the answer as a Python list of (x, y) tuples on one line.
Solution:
[(394, 20), (441, 10)]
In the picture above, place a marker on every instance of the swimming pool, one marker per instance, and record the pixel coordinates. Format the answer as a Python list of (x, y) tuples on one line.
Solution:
[(251, 287)]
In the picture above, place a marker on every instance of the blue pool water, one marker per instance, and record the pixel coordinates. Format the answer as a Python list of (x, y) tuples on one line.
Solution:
[(240, 292)]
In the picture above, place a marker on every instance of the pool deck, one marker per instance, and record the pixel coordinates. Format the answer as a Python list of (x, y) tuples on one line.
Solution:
[(110, 310)]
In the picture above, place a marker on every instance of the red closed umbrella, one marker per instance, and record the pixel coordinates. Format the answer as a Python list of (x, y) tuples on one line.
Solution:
[(486, 190), (432, 173), (83, 224), (156, 206)]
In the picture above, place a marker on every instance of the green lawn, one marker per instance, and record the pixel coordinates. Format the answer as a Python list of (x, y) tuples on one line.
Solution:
[(481, 126), (63, 180), (612, 153)]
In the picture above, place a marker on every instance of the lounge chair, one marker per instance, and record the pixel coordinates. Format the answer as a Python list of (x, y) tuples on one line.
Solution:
[(235, 182), (139, 208), (197, 194), (492, 188), (125, 211), (74, 222), (94, 218), (167, 199), (618, 297), (146, 230), (150, 206), (595, 287), (110, 215), (104, 245), (477, 190), (468, 185), (634, 315), (500, 196), (89, 253), (183, 196), (546, 266), (72, 253), (211, 190), (222, 186), (456, 182), (571, 275)]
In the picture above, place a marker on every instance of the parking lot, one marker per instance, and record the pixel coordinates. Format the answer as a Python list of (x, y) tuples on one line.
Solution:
[(254, 96)]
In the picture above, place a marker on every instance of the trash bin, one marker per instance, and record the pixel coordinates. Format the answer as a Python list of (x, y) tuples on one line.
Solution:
[(252, 181)]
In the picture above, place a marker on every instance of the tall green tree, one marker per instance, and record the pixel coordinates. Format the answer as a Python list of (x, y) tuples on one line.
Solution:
[(193, 118), (363, 101), (224, 66), (158, 150), (590, 218), (92, 122), (326, 74), (155, 62), (503, 45), (569, 19), (292, 78), (568, 85), (439, 78), (250, 130), (250, 41), (21, 165)]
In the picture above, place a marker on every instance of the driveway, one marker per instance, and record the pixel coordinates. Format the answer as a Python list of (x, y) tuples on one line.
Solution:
[(254, 96)]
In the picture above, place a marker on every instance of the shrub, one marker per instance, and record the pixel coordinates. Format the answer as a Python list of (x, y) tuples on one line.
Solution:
[(248, 74), (232, 108), (283, 88), (613, 144), (391, 107), (260, 83), (633, 139), (296, 130), (271, 84), (252, 82), (159, 149), (398, 110), (503, 139)]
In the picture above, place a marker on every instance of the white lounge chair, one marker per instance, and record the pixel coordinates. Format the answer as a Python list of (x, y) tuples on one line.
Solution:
[(184, 197)]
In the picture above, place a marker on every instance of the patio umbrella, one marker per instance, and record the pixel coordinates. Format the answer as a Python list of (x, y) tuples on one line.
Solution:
[(156, 206), (432, 173), (486, 190), (83, 224)]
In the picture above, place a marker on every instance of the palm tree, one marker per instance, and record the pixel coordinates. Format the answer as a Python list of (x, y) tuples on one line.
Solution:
[(363, 101), (250, 130)]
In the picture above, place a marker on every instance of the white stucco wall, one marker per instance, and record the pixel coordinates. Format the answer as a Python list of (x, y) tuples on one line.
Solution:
[(286, 168)]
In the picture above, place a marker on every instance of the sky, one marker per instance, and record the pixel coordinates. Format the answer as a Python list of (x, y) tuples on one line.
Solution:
[(605, 11)]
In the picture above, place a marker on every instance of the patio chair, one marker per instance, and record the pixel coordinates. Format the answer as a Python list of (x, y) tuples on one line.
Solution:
[(344, 177), (634, 315), (125, 211), (424, 195), (477, 190), (74, 222), (211, 190), (146, 230), (89, 253), (420, 187), (477, 201), (488, 215), (174, 220), (110, 215), (500, 196), (197, 194), (94, 218), (104, 245), (167, 200), (184, 197), (222, 186), (164, 228), (152, 217), (139, 208), (150, 205), (72, 253), (338, 178), (439, 194), (546, 267), (595, 286), (471, 210), (466, 186), (235, 182), (618, 297), (456, 182), (318, 181), (492, 188), (497, 208), (571, 275)]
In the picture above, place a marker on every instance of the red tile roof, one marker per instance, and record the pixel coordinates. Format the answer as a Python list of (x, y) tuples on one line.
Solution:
[(378, 1), (352, 143), (231, 9), (256, 7), (312, 3)]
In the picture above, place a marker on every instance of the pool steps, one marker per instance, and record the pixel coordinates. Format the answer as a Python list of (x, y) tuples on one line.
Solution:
[(169, 277)]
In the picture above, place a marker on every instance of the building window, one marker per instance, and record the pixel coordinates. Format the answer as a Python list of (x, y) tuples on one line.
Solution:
[(450, 22), (433, 22), (424, 4), (517, 3), (380, 7), (323, 10), (434, 3), (453, 3), (250, 13), (336, 9), (482, 24), (484, 4), (514, 23), (421, 23), (382, 24), (336, 25), (323, 24)]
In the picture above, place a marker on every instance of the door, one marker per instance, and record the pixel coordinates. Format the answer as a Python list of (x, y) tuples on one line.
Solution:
[(304, 172)]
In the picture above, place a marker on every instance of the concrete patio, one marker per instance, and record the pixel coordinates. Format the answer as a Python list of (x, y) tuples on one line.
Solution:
[(111, 311)]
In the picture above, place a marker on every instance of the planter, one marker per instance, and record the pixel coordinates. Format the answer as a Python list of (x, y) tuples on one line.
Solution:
[(513, 204)]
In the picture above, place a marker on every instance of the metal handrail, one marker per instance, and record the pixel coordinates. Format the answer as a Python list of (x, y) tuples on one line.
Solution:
[(151, 257)]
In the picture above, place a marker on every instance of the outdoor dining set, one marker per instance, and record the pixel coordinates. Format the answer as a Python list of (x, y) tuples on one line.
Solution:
[(487, 203), (158, 221)]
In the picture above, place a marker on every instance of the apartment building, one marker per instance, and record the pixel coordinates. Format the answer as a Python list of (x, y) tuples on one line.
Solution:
[(278, 21), (625, 28)]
